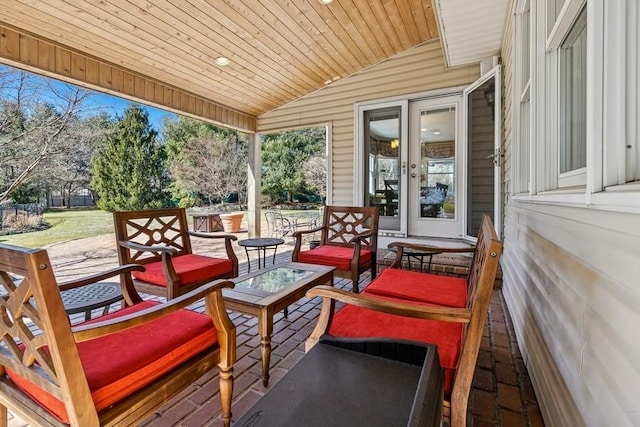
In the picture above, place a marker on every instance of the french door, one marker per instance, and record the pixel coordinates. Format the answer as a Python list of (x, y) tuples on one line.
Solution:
[(432, 166), (435, 201), (483, 183)]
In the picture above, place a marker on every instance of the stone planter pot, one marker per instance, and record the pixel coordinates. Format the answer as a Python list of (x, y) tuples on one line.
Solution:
[(231, 222)]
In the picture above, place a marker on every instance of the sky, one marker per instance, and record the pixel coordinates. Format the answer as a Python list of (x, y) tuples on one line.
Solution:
[(97, 102), (116, 106)]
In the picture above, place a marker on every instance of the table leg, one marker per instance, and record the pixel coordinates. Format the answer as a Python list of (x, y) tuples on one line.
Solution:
[(264, 257), (249, 261), (265, 326), (275, 249)]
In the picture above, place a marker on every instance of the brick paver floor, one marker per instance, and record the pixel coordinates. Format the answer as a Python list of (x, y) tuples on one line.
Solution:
[(502, 394)]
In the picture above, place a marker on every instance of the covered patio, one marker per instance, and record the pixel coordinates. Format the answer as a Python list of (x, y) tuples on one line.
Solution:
[(502, 393), (558, 168)]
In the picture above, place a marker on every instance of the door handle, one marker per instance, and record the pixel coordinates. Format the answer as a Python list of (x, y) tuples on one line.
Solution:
[(413, 175), (496, 156)]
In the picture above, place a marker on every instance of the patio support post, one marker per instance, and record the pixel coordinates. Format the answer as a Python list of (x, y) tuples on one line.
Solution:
[(253, 185)]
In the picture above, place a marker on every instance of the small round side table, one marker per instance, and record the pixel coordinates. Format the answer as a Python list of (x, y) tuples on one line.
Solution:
[(260, 244)]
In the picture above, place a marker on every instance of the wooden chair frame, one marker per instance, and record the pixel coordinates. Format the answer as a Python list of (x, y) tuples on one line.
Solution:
[(153, 235), (341, 227), (481, 279), (50, 357)]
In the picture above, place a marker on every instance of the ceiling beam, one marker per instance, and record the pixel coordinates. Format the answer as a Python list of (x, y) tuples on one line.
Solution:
[(32, 53)]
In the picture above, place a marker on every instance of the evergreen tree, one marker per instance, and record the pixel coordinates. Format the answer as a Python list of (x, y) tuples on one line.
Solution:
[(128, 169)]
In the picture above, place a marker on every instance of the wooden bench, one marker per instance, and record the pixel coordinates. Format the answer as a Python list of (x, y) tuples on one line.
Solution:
[(113, 370), (449, 312)]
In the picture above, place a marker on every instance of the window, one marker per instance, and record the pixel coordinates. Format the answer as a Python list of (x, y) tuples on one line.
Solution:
[(573, 98), (566, 101), (522, 116)]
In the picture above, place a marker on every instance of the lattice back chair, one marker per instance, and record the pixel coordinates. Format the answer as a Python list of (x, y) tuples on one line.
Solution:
[(113, 370), (160, 240), (348, 241)]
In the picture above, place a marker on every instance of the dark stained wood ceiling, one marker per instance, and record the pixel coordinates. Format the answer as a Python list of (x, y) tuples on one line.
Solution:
[(280, 50)]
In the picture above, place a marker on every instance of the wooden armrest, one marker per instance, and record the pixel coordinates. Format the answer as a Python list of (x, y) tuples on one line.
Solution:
[(211, 236), (98, 329), (71, 284), (429, 248), (309, 231), (448, 314), (148, 248)]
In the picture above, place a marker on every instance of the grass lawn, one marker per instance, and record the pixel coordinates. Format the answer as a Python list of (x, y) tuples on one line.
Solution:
[(65, 225)]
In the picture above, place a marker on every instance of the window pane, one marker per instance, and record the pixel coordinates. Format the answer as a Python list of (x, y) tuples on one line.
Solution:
[(573, 99)]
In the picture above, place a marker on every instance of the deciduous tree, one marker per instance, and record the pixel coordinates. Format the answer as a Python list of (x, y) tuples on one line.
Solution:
[(207, 163), (39, 122)]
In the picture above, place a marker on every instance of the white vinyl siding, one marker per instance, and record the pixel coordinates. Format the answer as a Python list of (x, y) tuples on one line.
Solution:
[(570, 267)]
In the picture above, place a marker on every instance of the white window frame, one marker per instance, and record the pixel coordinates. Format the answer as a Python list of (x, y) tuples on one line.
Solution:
[(616, 39), (521, 138), (560, 31)]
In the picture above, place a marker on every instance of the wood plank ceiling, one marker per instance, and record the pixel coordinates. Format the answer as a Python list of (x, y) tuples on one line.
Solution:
[(279, 50)]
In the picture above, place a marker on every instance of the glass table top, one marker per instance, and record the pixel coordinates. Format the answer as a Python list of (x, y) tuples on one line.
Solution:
[(275, 280)]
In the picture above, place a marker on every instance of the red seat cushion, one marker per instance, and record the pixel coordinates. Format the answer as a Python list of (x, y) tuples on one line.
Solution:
[(357, 322), (421, 287), (190, 269), (337, 256), (119, 364)]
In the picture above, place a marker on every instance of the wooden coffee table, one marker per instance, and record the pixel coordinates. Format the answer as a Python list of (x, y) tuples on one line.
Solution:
[(267, 291)]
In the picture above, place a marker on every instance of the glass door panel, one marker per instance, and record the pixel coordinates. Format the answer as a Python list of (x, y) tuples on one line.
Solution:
[(434, 170), (382, 136), (437, 163)]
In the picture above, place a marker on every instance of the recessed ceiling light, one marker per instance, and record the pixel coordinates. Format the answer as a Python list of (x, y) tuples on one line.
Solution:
[(222, 60), (325, 1), (423, 129), (436, 131)]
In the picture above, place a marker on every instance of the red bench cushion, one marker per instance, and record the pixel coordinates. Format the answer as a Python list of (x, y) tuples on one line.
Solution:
[(421, 287), (357, 322), (190, 269), (337, 256), (119, 364)]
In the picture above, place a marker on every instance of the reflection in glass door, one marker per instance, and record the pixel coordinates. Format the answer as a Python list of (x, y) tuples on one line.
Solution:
[(437, 163), (382, 150)]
